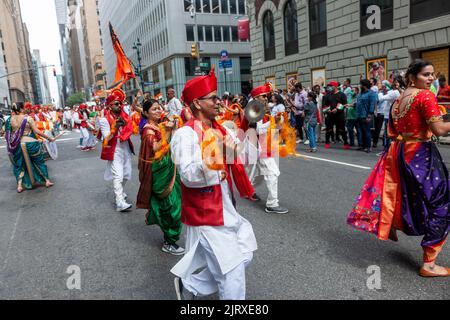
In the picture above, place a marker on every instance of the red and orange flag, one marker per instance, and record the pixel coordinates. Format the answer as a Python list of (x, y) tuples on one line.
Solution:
[(124, 70)]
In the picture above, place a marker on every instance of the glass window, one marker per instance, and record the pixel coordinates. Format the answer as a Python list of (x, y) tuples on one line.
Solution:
[(190, 33), (233, 7), (427, 9), (318, 23), (234, 34), (206, 6), (246, 65), (387, 16), (241, 4), (208, 33), (168, 69), (290, 28), (189, 66), (200, 33), (226, 34), (215, 6), (224, 6), (198, 6), (269, 36), (217, 34), (155, 74)]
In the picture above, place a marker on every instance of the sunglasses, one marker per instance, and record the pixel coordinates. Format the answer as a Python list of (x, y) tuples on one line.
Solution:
[(213, 98), (118, 104)]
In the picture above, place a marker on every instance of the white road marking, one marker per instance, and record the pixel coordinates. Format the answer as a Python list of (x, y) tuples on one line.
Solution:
[(13, 235), (332, 161)]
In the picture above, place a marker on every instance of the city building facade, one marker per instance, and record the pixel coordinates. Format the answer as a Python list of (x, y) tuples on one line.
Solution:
[(14, 49), (62, 17), (163, 32), (41, 75), (4, 88), (315, 41)]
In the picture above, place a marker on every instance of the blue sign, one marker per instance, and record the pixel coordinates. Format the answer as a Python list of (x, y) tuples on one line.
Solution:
[(148, 83), (227, 64), (224, 55)]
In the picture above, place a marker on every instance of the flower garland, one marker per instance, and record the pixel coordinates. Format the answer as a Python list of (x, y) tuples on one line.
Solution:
[(165, 146), (210, 143)]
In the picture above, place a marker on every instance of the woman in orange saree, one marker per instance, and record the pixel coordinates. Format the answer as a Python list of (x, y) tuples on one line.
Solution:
[(409, 189)]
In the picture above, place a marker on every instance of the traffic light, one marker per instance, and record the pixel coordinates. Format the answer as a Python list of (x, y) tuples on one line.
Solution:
[(54, 72), (194, 51)]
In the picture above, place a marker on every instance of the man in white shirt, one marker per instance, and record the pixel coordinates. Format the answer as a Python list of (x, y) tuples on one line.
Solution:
[(220, 243), (386, 99), (174, 105)]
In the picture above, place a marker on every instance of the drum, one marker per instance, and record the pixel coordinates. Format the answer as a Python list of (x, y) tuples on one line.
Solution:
[(50, 148)]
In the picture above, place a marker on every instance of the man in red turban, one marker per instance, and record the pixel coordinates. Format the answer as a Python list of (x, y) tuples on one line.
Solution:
[(219, 240), (266, 165), (116, 128)]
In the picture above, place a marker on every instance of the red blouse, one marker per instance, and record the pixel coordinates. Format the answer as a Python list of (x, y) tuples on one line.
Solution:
[(413, 121)]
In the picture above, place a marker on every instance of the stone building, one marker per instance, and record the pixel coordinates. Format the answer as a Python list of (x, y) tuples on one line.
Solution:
[(166, 31), (314, 41)]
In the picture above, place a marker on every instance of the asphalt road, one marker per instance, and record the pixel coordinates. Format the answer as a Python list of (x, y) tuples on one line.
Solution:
[(308, 254)]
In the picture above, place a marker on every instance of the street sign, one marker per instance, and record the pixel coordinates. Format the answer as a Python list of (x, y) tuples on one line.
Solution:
[(228, 64), (204, 64), (224, 55), (149, 83)]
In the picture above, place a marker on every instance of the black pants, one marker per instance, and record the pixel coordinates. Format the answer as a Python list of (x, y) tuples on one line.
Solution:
[(336, 120), (299, 122), (379, 120)]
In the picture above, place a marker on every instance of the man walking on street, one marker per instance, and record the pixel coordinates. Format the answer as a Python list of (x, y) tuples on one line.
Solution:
[(365, 108), (174, 105)]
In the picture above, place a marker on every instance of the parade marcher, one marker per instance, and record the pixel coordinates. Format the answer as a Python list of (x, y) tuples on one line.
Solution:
[(409, 189), (351, 120), (25, 150), (117, 147), (266, 165), (333, 105), (365, 109), (300, 99), (160, 190), (219, 241), (80, 118)]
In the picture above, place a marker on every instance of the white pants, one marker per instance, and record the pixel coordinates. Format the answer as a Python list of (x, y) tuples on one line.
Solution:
[(272, 188), (119, 170), (231, 286), (268, 169), (84, 134)]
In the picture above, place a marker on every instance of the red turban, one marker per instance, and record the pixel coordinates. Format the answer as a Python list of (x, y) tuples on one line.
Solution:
[(264, 89), (116, 95), (28, 106), (199, 87), (83, 107), (333, 84)]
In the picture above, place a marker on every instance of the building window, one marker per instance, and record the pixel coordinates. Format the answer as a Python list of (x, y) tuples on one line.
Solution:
[(226, 34), (189, 66), (200, 33), (198, 6), (224, 6), (269, 36), (234, 34), (233, 7), (387, 16), (155, 74), (217, 34), (246, 65), (208, 34), (290, 28), (206, 6), (190, 33), (241, 5), (318, 23), (427, 9), (215, 6), (168, 70)]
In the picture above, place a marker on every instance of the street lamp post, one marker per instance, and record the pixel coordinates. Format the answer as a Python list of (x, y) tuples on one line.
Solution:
[(193, 12), (137, 46)]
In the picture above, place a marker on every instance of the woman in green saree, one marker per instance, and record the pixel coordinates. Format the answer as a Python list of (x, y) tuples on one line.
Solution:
[(160, 189), (25, 151)]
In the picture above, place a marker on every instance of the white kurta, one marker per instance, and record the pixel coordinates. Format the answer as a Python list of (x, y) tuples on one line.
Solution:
[(121, 167), (231, 243)]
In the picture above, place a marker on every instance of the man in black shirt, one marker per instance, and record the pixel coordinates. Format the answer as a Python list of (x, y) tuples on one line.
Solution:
[(334, 109)]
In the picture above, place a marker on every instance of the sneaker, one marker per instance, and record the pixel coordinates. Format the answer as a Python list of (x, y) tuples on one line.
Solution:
[(368, 150), (173, 249), (254, 198), (125, 196), (277, 210), (79, 147), (85, 149), (182, 293), (299, 141), (379, 154), (306, 143), (124, 206)]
